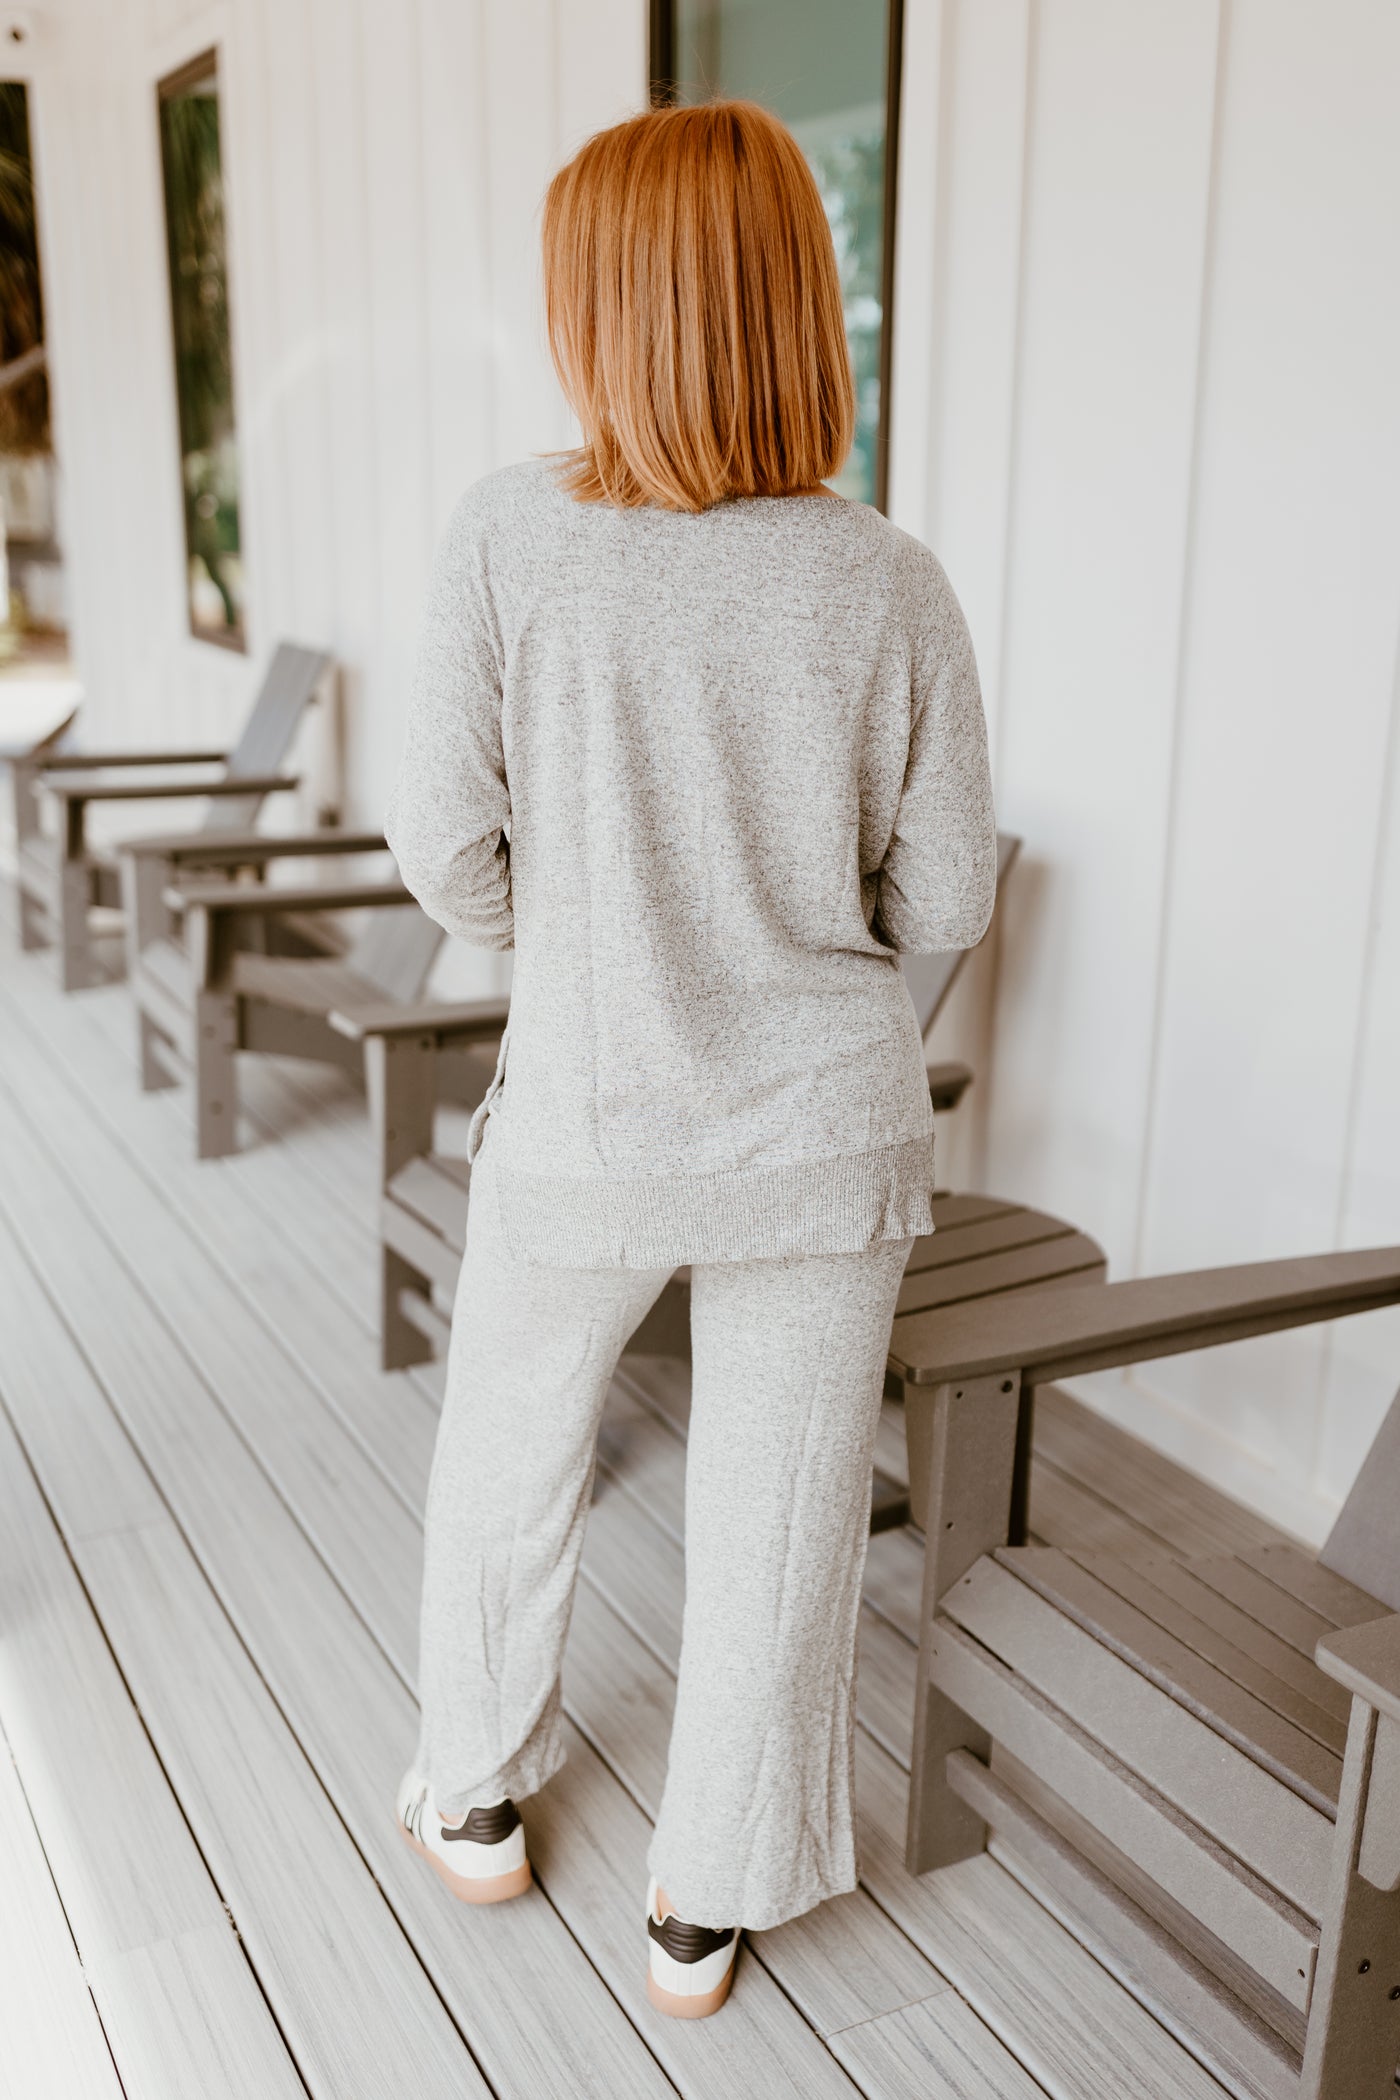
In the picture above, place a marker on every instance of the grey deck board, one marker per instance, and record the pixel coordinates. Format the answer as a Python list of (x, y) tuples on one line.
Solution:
[(53, 2047), (935, 2046), (767, 2027), (349, 1992), (1075, 2030), (1067, 1514), (280, 1265), (128, 1871), (351, 1712), (268, 1264), (1189, 1514)]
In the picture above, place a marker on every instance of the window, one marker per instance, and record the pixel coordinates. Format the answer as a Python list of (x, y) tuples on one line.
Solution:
[(199, 311), (830, 70), (31, 576)]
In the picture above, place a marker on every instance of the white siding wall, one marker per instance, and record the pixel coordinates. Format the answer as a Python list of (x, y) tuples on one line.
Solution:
[(384, 163), (1147, 410), (1149, 414)]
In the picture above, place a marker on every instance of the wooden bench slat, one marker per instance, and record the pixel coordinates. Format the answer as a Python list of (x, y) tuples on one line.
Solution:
[(310, 985), (1243, 1631), (951, 1211), (1204, 1690), (960, 1219), (1310, 1583), (434, 1197), (458, 1170), (1287, 1842), (1293, 1622), (1161, 1973), (1135, 1584), (1073, 1256), (1219, 1890), (424, 1249), (994, 1235)]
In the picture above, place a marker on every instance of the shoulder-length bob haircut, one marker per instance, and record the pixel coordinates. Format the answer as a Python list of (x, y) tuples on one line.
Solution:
[(694, 312)]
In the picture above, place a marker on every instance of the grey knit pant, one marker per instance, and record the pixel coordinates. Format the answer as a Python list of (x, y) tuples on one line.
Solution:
[(756, 1822)]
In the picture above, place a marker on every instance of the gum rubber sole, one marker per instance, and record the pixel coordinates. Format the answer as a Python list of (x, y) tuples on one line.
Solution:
[(697, 2008), (493, 1888)]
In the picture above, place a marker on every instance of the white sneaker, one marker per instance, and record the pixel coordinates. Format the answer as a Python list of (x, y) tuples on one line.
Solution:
[(689, 1967), (481, 1858)]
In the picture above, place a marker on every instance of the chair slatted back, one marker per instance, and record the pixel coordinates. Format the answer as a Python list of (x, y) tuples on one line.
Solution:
[(930, 977), (1364, 1544), (395, 951), (291, 679)]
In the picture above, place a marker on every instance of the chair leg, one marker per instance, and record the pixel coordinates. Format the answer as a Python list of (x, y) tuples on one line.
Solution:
[(1353, 2041), (155, 1073), (77, 964), (962, 1471), (32, 916), (401, 1343), (215, 1079)]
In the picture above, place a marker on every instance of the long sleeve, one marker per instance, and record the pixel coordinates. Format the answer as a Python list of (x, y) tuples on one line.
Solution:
[(450, 807), (937, 883)]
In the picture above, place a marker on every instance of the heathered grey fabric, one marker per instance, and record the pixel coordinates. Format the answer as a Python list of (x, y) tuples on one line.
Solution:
[(740, 761), (756, 1822)]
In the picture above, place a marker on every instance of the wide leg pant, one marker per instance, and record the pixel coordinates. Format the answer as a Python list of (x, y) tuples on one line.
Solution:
[(756, 1822)]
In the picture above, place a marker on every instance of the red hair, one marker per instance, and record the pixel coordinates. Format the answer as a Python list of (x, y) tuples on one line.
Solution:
[(694, 311)]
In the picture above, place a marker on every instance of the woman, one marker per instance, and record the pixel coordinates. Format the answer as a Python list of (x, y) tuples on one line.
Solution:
[(703, 743)]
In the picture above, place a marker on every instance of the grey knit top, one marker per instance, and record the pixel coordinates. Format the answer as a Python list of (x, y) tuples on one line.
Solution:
[(707, 775)]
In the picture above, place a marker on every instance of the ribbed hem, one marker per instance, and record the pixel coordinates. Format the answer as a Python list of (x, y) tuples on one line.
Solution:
[(650, 1221)]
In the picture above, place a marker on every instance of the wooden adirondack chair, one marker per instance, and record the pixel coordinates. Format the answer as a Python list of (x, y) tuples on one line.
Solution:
[(1197, 1764), (206, 985), (61, 878)]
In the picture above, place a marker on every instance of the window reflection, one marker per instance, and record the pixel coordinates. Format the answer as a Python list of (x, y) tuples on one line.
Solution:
[(192, 167), (823, 66)]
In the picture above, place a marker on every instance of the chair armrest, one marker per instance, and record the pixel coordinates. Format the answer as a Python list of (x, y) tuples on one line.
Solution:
[(260, 899), (467, 1020), (88, 788), (215, 849), (1049, 1335), (1366, 1659), (92, 761), (948, 1083)]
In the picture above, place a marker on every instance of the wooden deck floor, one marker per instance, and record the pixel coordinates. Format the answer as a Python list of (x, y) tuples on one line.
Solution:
[(209, 1553)]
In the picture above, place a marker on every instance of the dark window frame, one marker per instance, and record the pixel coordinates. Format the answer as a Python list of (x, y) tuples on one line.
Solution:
[(203, 66), (661, 46)]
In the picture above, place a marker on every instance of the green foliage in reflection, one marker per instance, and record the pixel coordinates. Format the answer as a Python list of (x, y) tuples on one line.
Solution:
[(850, 173), (24, 407), (194, 222)]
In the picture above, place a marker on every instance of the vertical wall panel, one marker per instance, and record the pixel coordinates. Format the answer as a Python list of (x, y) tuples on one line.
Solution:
[(972, 306), (523, 106), (337, 118), (1363, 1358), (1295, 597), (1120, 153), (461, 378)]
